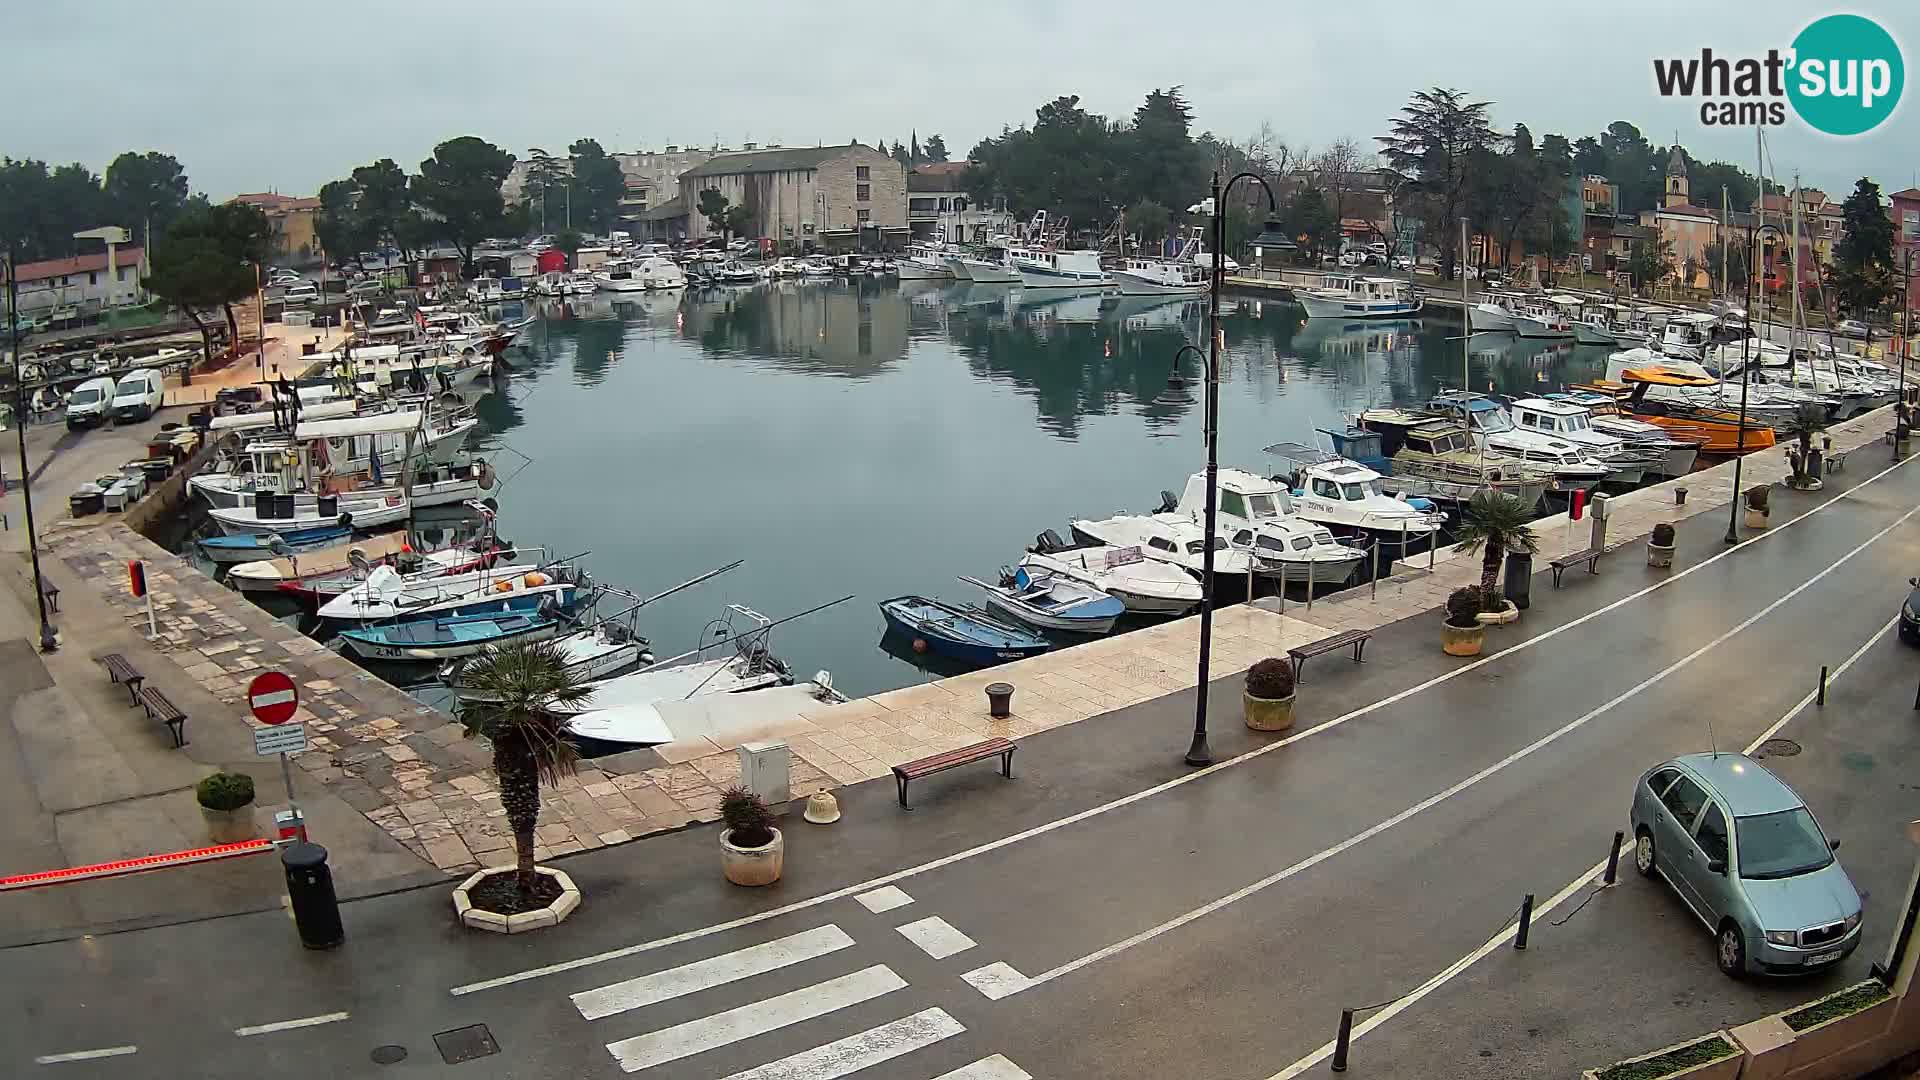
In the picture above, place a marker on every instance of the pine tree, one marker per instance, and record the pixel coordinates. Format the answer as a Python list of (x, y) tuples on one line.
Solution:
[(1863, 269)]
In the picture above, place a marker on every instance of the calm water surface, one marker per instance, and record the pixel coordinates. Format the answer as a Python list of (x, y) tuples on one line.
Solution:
[(879, 440)]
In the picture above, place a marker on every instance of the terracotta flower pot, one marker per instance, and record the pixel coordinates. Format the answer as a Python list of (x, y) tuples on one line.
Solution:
[(1268, 714), (229, 826), (1462, 640), (752, 866), (1658, 556), (1756, 519)]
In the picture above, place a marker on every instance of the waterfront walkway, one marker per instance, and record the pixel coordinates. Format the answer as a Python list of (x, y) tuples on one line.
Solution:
[(1111, 912)]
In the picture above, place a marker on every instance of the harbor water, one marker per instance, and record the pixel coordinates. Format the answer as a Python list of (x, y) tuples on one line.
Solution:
[(874, 439)]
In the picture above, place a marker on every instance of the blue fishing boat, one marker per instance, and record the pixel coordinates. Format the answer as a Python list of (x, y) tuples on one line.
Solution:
[(448, 637), (960, 633), (1051, 602), (239, 549)]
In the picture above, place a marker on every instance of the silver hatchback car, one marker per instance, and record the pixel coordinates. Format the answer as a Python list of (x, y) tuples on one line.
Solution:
[(1745, 854)]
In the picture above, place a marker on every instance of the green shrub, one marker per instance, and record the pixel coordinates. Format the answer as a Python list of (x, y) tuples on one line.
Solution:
[(1463, 604), (1270, 679), (747, 816), (1685, 1057), (1663, 535), (224, 791), (1845, 1003), (1757, 498)]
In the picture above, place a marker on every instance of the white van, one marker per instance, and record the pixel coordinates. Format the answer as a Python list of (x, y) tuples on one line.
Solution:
[(138, 396), (89, 403)]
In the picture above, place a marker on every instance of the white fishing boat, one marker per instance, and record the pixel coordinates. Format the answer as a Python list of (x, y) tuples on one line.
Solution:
[(1144, 585), (925, 262), (1566, 420), (1053, 268), (1489, 314), (593, 652), (751, 666), (1051, 601), (985, 269), (1262, 520), (1350, 498), (1170, 538), (484, 290), (619, 276), (1677, 455), (1161, 277), (389, 594), (293, 513), (1493, 428), (1537, 319), (1350, 296), (1688, 335)]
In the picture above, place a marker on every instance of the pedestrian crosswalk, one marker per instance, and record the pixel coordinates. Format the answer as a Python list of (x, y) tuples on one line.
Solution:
[(909, 1031)]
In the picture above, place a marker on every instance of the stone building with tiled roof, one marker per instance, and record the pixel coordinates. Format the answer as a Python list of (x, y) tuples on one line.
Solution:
[(838, 197)]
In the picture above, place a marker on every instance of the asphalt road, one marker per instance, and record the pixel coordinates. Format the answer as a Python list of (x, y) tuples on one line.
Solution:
[(1109, 915)]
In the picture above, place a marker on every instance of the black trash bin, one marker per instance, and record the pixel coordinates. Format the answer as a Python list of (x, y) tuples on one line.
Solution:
[(1519, 581), (316, 912)]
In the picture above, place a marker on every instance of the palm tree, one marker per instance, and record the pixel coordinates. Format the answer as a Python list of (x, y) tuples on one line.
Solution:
[(1808, 420), (525, 695), (1498, 523)]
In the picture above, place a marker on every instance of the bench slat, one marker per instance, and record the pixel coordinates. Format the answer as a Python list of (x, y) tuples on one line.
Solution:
[(1330, 644), (1576, 558), (964, 755)]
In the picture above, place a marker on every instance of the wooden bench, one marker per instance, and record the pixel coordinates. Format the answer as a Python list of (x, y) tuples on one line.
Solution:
[(166, 712), (121, 672), (1590, 556), (1356, 638), (953, 759), (1836, 460), (52, 594)]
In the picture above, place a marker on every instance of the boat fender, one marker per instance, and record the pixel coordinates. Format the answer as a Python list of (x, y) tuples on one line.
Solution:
[(533, 581), (485, 470), (346, 521), (503, 586)]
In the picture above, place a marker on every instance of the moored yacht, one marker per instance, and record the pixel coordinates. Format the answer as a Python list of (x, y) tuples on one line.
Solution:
[(1056, 268), (1351, 296), (1169, 538), (1350, 498), (1161, 277), (1261, 519), (1493, 427)]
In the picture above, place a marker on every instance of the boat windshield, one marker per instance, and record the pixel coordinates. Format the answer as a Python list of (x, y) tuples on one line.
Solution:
[(1262, 506), (1194, 547), (1359, 490), (1492, 420)]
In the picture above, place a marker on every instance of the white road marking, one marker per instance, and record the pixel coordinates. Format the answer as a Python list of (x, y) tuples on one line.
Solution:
[(856, 1052), (754, 1018), (1158, 789), (289, 1025), (1439, 797), (996, 1067), (884, 899), (714, 971), (936, 937), (997, 980), (1506, 934), (85, 1055)]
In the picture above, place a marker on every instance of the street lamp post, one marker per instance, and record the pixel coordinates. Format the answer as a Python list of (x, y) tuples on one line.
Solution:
[(49, 638), (1199, 753)]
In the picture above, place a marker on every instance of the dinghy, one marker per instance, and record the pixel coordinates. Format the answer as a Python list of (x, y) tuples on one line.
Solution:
[(1051, 601), (960, 633)]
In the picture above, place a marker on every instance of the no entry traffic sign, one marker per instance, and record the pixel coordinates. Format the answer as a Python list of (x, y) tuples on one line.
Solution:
[(273, 698)]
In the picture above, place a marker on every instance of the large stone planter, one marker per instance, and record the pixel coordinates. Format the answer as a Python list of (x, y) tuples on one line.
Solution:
[(1726, 1068), (1505, 615), (1658, 557), (229, 826), (551, 915), (1462, 640), (1844, 1046), (752, 866), (1268, 714)]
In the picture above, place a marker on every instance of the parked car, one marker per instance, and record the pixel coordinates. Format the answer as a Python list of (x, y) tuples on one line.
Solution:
[(1401, 262), (366, 287), (137, 396), (304, 293), (1352, 259), (1745, 854), (1910, 614), (1852, 328)]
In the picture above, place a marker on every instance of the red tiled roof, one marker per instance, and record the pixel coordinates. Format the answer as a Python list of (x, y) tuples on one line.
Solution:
[(935, 168), (1686, 210), (1911, 194), (79, 264)]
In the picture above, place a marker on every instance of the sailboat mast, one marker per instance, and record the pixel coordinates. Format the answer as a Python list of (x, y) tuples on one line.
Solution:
[(1793, 332), (1466, 315), (1726, 287)]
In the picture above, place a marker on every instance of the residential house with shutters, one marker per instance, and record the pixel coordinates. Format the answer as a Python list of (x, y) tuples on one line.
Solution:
[(827, 197), (939, 208), (291, 219), (1905, 211)]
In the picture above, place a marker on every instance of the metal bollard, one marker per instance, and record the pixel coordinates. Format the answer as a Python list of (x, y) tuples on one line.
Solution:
[(1526, 923), (1613, 858), (1341, 1040), (1375, 582), (1821, 700), (1310, 564)]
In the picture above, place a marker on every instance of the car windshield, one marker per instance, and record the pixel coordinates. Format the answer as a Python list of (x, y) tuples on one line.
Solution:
[(1780, 845), (86, 395)]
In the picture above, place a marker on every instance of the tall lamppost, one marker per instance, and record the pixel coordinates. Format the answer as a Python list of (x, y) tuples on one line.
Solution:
[(49, 639), (1746, 380), (1199, 753)]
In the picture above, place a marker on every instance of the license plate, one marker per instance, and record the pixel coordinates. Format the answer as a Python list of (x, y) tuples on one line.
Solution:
[(1823, 958)]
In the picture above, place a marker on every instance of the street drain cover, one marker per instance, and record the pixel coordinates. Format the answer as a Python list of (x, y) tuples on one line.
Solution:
[(1777, 748), (388, 1055), (465, 1044)]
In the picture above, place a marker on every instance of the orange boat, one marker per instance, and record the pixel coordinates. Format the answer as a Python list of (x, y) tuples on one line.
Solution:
[(1718, 431)]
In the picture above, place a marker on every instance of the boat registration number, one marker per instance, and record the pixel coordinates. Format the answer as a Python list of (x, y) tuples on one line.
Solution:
[(1823, 958)]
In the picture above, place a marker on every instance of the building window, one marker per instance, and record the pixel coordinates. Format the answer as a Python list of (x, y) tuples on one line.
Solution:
[(93, 277), (862, 192), (862, 172), (865, 215)]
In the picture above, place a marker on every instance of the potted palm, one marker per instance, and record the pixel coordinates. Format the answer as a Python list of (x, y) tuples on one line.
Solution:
[(226, 802), (752, 851), (1494, 524), (524, 693), (1660, 546), (1756, 498), (1462, 634), (1268, 697), (1808, 420)]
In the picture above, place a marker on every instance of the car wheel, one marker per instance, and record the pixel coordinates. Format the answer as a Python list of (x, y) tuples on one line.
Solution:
[(1643, 852), (1730, 951)]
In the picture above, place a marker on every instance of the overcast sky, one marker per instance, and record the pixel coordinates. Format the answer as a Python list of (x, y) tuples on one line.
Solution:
[(286, 96)]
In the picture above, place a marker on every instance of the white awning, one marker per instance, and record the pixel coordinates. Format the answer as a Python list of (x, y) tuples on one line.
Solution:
[(262, 416), (378, 424)]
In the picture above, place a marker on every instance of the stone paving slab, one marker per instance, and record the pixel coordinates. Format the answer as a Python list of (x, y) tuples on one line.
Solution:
[(409, 769)]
